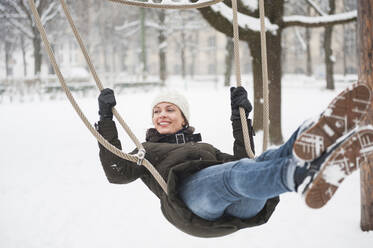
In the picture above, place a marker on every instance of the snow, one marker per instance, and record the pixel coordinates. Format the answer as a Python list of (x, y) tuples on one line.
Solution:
[(54, 193), (321, 19), (244, 21), (251, 4), (333, 174)]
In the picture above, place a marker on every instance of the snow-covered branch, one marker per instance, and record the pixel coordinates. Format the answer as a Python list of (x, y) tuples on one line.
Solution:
[(50, 12), (15, 19), (320, 21), (21, 27), (244, 21), (251, 4), (127, 25), (18, 8)]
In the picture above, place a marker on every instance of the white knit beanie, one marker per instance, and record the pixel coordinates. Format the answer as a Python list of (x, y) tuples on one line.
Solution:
[(173, 97)]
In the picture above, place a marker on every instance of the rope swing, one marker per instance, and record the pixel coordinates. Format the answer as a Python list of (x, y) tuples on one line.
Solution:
[(139, 159), (167, 4)]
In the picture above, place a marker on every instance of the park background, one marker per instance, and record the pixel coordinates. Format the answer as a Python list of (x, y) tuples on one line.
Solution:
[(53, 191)]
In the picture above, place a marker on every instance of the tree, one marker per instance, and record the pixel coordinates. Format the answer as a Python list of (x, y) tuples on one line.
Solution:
[(229, 55), (182, 29), (18, 14), (150, 20), (9, 43), (365, 32), (219, 17), (162, 44), (329, 58), (327, 43)]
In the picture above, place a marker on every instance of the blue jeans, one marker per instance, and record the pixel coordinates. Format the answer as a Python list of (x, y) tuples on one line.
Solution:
[(240, 188)]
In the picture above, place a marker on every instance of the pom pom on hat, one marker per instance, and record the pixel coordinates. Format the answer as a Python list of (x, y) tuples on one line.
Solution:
[(173, 97)]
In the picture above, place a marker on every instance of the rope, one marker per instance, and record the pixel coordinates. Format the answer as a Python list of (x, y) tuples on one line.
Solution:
[(168, 5), (95, 76), (100, 139), (245, 129), (265, 76)]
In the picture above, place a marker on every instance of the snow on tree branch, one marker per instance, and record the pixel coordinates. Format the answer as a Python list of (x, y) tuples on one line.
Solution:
[(49, 13), (251, 4), (18, 9), (244, 21), (127, 25), (15, 19), (320, 21)]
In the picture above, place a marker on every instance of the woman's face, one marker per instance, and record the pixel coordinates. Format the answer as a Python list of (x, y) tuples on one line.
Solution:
[(167, 118)]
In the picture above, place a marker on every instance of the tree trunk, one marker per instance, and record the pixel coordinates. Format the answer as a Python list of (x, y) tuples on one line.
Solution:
[(365, 44), (7, 58), (143, 44), (228, 61), (182, 54), (36, 41), (274, 78), (309, 53), (329, 60), (274, 11), (345, 51), (257, 85), (194, 52), (24, 60), (162, 43)]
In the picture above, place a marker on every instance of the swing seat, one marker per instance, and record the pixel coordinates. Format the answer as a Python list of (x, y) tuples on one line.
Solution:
[(178, 214)]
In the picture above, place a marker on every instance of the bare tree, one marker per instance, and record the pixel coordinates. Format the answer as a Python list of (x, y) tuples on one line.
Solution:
[(9, 43), (216, 15), (162, 45), (329, 58), (18, 14)]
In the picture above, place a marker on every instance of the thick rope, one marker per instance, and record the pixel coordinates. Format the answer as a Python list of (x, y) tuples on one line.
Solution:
[(94, 74), (264, 75), (98, 136), (245, 129), (169, 4)]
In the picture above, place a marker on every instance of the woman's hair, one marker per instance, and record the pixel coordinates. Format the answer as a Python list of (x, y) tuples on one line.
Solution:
[(176, 98)]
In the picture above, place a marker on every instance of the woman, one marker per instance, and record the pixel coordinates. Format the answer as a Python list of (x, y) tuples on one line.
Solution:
[(212, 193)]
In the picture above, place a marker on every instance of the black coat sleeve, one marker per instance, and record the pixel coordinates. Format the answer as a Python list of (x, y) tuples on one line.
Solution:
[(239, 143), (117, 170)]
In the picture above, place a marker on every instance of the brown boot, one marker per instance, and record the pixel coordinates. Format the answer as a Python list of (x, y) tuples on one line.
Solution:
[(326, 173), (342, 115)]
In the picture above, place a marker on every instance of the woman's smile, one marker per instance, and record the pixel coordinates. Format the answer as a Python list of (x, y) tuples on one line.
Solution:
[(167, 118)]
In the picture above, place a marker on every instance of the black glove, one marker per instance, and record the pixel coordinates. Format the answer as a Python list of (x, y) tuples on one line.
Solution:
[(239, 99), (106, 101)]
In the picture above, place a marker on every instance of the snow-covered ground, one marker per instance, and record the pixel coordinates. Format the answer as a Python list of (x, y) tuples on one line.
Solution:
[(53, 192)]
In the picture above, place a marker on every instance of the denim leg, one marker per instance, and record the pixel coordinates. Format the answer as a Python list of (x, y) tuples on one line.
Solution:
[(245, 208), (285, 150), (240, 188)]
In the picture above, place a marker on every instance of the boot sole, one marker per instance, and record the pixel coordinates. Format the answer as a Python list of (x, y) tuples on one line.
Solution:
[(342, 115), (346, 159)]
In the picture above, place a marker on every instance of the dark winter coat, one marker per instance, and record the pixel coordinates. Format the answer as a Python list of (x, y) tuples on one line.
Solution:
[(175, 162)]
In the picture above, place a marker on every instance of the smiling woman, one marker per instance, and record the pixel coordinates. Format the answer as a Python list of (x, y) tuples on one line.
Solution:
[(167, 118), (170, 112), (211, 193)]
